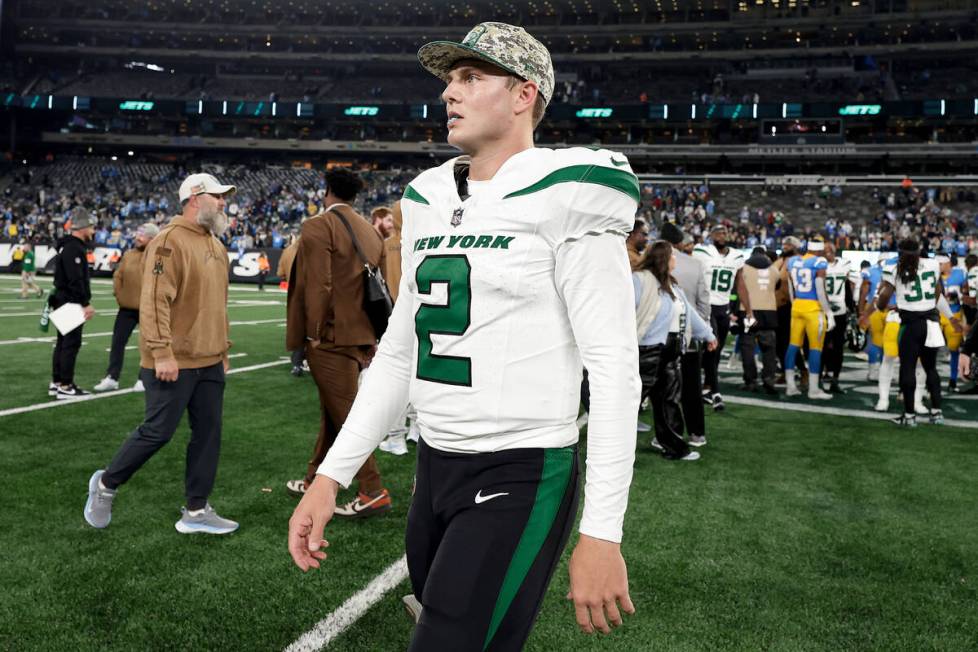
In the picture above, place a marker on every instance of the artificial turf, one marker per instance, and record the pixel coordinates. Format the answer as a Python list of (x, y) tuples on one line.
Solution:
[(794, 532)]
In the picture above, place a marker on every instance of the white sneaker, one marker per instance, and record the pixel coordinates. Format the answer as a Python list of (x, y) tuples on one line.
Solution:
[(691, 456), (815, 393), (643, 427), (138, 387), (920, 408), (107, 384), (873, 372), (582, 421), (883, 405), (394, 444), (52, 389)]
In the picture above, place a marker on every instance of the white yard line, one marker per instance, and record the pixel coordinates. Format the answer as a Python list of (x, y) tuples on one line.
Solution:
[(50, 339), (825, 409), (327, 629), (119, 392)]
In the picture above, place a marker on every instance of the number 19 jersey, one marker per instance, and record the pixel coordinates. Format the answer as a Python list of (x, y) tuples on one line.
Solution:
[(720, 271)]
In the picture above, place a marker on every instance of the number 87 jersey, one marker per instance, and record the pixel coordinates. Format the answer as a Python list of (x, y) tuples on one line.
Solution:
[(493, 282)]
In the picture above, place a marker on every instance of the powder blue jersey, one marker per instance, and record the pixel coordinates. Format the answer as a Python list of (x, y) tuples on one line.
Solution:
[(803, 270)]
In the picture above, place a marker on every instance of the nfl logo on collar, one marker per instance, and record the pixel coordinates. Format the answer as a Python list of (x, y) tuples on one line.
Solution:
[(457, 216)]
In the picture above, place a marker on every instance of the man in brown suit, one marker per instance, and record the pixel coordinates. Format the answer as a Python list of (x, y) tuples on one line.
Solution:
[(127, 282), (326, 315)]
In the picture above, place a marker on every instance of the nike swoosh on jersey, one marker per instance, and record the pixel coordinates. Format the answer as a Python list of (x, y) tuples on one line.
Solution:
[(619, 163), (479, 498)]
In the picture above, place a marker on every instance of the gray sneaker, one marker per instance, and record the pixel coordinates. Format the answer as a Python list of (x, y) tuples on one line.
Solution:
[(697, 440), (206, 521), (98, 508)]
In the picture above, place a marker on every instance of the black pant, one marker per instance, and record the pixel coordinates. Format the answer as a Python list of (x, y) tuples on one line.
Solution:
[(658, 367), (720, 321), (484, 535), (125, 321), (200, 393), (834, 347), (261, 280), (913, 335), (690, 365), (66, 349), (970, 313), (783, 333), (765, 340), (298, 356)]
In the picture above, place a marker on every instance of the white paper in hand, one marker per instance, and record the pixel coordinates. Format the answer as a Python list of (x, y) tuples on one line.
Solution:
[(68, 317)]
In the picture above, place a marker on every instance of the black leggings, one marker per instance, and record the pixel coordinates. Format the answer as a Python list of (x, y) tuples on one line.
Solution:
[(913, 335), (834, 348), (658, 366)]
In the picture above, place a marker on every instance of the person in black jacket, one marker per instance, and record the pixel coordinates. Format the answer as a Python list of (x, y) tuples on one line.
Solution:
[(71, 285)]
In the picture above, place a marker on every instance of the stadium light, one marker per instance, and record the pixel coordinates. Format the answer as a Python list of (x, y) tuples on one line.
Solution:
[(784, 110), (131, 153), (943, 107), (692, 115), (424, 110), (755, 112), (976, 106), (200, 107), (51, 103), (225, 109), (665, 111), (74, 103), (274, 108)]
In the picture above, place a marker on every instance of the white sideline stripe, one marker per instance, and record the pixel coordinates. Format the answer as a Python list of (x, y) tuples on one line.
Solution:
[(825, 409), (49, 340), (110, 312), (119, 392), (352, 610)]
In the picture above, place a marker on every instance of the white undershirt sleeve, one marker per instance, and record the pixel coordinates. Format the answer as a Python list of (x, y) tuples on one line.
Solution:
[(593, 278)]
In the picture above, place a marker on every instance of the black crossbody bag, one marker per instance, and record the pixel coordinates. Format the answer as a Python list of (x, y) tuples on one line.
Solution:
[(376, 297)]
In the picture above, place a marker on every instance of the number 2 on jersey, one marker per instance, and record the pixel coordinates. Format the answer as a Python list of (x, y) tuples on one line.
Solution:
[(452, 318)]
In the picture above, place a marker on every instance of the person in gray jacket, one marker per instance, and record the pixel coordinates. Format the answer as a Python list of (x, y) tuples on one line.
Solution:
[(691, 279)]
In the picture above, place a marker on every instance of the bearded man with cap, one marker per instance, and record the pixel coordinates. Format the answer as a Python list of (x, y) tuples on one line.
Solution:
[(183, 332), (127, 282), (691, 278), (72, 284), (515, 277)]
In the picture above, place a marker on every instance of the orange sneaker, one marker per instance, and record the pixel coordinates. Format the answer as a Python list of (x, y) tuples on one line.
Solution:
[(364, 506)]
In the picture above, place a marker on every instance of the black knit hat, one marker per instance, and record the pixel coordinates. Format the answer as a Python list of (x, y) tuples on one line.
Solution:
[(671, 233)]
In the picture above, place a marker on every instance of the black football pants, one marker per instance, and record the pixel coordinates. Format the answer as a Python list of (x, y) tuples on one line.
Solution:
[(66, 350), (834, 347), (911, 339), (720, 321), (484, 534)]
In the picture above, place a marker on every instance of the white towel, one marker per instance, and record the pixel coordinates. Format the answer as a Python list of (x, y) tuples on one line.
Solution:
[(935, 338)]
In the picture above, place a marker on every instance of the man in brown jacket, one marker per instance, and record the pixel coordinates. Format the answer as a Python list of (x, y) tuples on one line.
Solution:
[(326, 315), (635, 244), (284, 272), (183, 328), (127, 283)]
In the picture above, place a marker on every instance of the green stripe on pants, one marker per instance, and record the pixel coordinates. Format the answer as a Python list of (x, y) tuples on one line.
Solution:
[(557, 465)]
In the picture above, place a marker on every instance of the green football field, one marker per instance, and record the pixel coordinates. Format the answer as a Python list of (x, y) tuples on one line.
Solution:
[(818, 530)]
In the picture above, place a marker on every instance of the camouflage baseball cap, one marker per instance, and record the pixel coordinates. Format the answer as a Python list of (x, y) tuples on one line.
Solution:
[(507, 46)]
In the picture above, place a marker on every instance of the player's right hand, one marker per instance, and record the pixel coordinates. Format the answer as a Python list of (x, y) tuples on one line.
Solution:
[(964, 365), (89, 312), (309, 520), (167, 370)]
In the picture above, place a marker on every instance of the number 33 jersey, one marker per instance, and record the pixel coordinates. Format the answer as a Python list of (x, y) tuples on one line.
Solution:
[(492, 287), (720, 271), (920, 294)]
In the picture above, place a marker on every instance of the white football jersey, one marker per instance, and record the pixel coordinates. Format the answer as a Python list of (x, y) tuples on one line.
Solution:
[(720, 271), (500, 294), (836, 276), (973, 281), (920, 294)]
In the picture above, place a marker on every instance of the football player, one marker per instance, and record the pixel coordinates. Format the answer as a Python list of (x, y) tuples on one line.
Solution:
[(969, 300), (871, 276), (837, 288), (721, 267), (811, 316), (916, 284), (884, 328), (955, 283), (515, 277)]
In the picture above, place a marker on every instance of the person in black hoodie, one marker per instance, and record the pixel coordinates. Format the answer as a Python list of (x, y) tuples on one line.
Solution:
[(72, 284), (760, 279)]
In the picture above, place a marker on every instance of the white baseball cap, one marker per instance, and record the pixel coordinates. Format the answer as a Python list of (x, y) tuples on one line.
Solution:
[(199, 184)]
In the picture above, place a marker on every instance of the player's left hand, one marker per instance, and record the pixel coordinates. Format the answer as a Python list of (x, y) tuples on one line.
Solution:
[(712, 345), (956, 325), (598, 585)]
